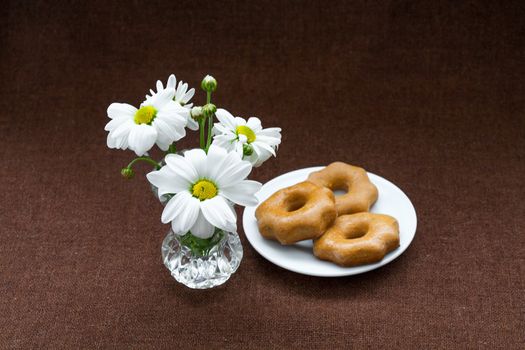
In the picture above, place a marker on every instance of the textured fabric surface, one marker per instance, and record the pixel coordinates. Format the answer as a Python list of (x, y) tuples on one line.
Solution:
[(429, 95)]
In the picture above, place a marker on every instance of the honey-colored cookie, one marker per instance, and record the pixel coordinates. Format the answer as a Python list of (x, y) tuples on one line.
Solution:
[(360, 194), (357, 239), (299, 212)]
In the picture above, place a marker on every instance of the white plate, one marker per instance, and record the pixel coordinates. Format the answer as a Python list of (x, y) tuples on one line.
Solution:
[(299, 257)]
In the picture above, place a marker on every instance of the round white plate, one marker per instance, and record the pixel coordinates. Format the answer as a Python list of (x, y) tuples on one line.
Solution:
[(300, 258)]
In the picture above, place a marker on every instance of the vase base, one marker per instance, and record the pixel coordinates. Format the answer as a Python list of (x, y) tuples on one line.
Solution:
[(202, 271)]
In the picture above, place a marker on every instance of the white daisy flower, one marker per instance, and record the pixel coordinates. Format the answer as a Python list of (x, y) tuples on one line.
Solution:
[(204, 184), (247, 138), (182, 96), (159, 120)]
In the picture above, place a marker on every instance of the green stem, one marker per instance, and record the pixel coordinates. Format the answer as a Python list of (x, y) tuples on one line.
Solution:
[(201, 133), (210, 128), (210, 122), (172, 148), (144, 159), (201, 246)]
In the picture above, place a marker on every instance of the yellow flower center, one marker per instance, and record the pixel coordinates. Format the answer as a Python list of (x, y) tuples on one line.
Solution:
[(145, 115), (246, 131), (204, 189)]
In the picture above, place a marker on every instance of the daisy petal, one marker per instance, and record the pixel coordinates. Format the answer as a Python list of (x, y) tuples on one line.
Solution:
[(117, 110), (242, 193), (232, 171), (122, 143), (141, 138), (173, 207), (272, 141), (181, 90), (186, 218), (111, 141), (219, 213), (218, 128), (182, 167), (259, 155), (172, 81), (160, 87), (243, 138), (169, 129), (197, 157), (264, 146), (160, 99), (253, 158), (192, 124), (171, 110), (254, 123), (238, 148), (202, 228), (163, 138), (223, 143), (216, 157), (167, 181), (240, 121), (188, 95), (226, 118), (115, 123), (273, 132), (123, 129), (176, 205)]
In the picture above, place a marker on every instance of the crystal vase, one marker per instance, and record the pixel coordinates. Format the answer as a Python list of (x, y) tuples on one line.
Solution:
[(202, 263)]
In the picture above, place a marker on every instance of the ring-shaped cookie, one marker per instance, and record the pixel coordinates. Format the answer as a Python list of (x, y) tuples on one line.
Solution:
[(299, 212), (357, 239), (360, 194)]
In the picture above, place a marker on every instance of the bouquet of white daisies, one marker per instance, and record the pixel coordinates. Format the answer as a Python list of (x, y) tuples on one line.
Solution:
[(204, 183)]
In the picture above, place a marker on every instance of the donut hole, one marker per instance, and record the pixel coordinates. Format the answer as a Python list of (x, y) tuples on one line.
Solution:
[(357, 231), (339, 191), (339, 187), (295, 203), (356, 234)]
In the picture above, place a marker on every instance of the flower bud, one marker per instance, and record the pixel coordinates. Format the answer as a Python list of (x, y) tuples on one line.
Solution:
[(196, 113), (209, 110), (247, 149), (127, 173), (209, 84)]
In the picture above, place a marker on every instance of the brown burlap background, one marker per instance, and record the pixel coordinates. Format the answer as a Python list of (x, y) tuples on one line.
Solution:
[(429, 95)]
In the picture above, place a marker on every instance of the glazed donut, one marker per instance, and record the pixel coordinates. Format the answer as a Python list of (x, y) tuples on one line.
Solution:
[(360, 192), (357, 239), (292, 214)]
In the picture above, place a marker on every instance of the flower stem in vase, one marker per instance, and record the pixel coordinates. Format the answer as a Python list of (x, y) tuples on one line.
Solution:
[(201, 246)]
